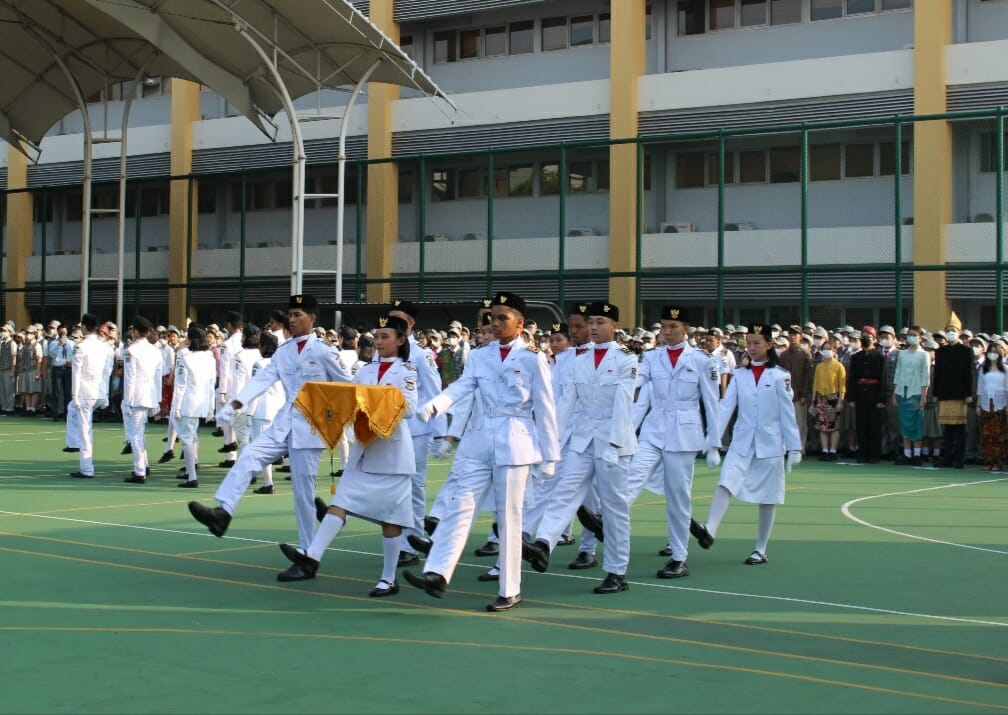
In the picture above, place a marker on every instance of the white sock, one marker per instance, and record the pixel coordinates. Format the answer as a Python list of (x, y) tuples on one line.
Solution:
[(916, 451), (189, 452), (766, 519), (390, 554), (906, 452), (327, 531), (718, 507), (937, 451), (832, 451), (268, 475)]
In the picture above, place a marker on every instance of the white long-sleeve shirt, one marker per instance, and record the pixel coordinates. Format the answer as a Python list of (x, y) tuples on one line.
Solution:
[(992, 386)]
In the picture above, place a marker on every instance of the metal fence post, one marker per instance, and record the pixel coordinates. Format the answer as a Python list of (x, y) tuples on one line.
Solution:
[(898, 219), (562, 244), (804, 179), (241, 244), (42, 292), (422, 226), (360, 227), (490, 223), (721, 229), (999, 225), (639, 237), (136, 251)]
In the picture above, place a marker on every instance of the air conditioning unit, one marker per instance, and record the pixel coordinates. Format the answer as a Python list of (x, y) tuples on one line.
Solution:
[(229, 244), (740, 226), (575, 232), (435, 237), (678, 227)]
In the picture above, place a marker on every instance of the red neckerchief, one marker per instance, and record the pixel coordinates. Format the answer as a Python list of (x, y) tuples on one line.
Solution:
[(599, 354), (301, 344), (673, 355)]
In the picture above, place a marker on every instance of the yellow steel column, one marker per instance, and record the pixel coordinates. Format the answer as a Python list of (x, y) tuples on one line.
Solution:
[(383, 179), (932, 157), (626, 65), (19, 235), (185, 97)]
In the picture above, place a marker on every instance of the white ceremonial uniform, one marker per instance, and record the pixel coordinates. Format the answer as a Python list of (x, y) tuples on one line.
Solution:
[(232, 346), (290, 433), (193, 396), (241, 373), (466, 421), (765, 431), (519, 425), (143, 365), (263, 410), (428, 387), (594, 408), (91, 369), (376, 482), (673, 432)]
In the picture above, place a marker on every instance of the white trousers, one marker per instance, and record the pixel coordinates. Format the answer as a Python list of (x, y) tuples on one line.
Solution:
[(256, 428), (418, 480), (678, 473), (135, 427), (242, 430), (79, 433), (588, 542), (304, 470), (575, 475), (475, 480)]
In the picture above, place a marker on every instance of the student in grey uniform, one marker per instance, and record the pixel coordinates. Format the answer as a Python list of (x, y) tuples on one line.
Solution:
[(376, 483), (8, 360), (142, 366)]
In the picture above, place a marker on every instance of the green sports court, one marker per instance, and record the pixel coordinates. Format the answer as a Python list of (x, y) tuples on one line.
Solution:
[(885, 593)]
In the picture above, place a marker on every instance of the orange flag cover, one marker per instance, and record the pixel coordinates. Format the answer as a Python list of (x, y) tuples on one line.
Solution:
[(330, 406)]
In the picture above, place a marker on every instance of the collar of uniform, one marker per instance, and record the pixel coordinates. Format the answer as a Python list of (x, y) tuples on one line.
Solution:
[(388, 359), (517, 342), (679, 346), (602, 346)]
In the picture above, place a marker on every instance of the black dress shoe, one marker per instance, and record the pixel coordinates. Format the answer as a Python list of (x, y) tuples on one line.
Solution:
[(504, 603), (419, 543), (430, 524), (71, 449), (285, 469), (264, 489), (135, 479), (166, 456), (433, 583), (673, 569), (296, 556), (592, 522), (81, 475), (537, 555), (700, 533), (226, 464), (407, 559), (127, 449), (584, 560), (218, 432), (392, 588), (488, 549), (229, 447), (565, 540), (321, 509), (491, 575), (188, 484), (297, 572), (613, 583), (216, 519), (755, 559), (164, 439), (666, 552)]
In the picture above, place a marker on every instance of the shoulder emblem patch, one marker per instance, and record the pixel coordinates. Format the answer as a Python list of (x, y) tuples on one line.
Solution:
[(410, 383)]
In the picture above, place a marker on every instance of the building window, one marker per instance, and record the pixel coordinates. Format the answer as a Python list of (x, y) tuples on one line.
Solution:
[(859, 160), (860, 7), (752, 167), (689, 169), (405, 186), (785, 12), (753, 13), (602, 180), (690, 17), (406, 43), (549, 179), (826, 9), (721, 15), (520, 181), (712, 168), (785, 164), (495, 41), (520, 36), (469, 44), (579, 177), (472, 183), (888, 5), (554, 33), (582, 30), (443, 185), (824, 162), (988, 152), (444, 47), (604, 28), (887, 158)]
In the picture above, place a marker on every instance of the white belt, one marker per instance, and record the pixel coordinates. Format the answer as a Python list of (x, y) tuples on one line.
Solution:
[(599, 413), (506, 412)]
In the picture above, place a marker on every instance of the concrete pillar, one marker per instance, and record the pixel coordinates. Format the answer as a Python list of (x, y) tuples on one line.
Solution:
[(183, 223), (19, 236)]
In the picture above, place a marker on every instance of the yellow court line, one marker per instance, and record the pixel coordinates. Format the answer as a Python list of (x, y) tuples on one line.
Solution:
[(595, 609), (110, 506), (607, 631), (224, 550)]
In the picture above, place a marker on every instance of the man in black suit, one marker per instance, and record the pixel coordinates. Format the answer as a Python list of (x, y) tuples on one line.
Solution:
[(866, 385), (953, 389)]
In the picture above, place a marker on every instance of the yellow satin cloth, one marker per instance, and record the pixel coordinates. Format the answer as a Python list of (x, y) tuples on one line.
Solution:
[(330, 406), (952, 412)]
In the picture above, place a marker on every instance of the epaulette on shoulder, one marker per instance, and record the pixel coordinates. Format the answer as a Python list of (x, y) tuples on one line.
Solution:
[(408, 365), (625, 350), (532, 348)]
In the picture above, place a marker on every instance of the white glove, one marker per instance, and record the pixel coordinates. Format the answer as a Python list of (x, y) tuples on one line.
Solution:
[(443, 450), (101, 403), (713, 457), (226, 414), (223, 398), (546, 470), (426, 412), (793, 459), (178, 414), (611, 456), (76, 403)]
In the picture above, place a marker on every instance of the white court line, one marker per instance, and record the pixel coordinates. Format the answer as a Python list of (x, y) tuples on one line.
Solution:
[(845, 509), (483, 567)]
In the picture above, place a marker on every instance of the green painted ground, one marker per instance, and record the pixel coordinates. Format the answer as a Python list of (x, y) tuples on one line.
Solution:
[(113, 600)]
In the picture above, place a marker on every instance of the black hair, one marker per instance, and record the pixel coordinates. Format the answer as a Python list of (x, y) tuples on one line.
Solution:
[(250, 338), (279, 316), (233, 318), (89, 321), (197, 337), (141, 325), (772, 360), (267, 343), (347, 334)]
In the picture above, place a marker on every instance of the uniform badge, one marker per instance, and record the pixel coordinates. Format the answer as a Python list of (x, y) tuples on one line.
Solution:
[(713, 373), (633, 373), (410, 383)]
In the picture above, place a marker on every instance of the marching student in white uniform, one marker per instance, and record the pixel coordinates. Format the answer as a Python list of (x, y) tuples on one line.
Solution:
[(303, 358), (193, 396), (170, 351), (683, 380), (143, 364), (229, 350), (596, 397), (428, 387), (764, 443), (91, 369), (241, 372), (264, 409), (519, 421), (376, 483)]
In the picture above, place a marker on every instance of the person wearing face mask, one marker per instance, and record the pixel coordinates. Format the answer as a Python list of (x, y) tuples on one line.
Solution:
[(828, 389), (910, 386), (992, 400), (953, 389), (887, 345), (932, 442), (978, 344), (866, 381)]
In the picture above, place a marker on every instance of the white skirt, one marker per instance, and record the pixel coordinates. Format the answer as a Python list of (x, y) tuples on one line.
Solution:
[(376, 497), (753, 480)]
